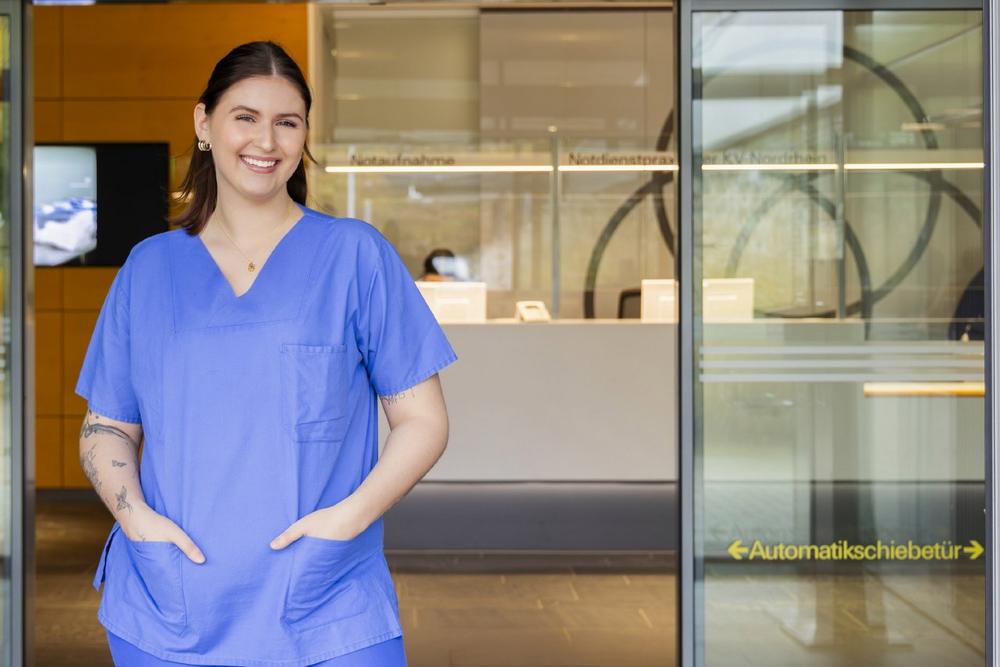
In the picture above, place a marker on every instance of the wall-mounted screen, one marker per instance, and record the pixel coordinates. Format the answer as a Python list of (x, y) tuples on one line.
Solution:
[(93, 202), (65, 203)]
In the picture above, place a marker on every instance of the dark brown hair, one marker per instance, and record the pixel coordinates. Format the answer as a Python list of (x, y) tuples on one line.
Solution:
[(245, 61)]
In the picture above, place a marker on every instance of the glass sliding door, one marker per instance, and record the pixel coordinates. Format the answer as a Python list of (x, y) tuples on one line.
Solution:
[(530, 154), (837, 340)]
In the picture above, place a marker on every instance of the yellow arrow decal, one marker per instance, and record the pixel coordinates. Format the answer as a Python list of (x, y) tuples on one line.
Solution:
[(737, 551), (975, 549)]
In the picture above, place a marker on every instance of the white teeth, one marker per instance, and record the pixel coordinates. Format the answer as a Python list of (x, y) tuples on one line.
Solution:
[(258, 163)]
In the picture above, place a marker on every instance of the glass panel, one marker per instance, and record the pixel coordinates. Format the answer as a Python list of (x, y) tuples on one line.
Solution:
[(456, 147), (536, 146), (838, 337)]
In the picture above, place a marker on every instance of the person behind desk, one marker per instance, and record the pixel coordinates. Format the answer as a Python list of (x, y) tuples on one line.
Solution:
[(967, 323), (438, 270)]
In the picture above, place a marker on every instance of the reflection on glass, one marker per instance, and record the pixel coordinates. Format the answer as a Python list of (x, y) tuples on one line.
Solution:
[(537, 147), (839, 409)]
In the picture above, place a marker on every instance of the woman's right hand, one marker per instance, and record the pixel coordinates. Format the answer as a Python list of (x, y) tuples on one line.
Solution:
[(147, 525)]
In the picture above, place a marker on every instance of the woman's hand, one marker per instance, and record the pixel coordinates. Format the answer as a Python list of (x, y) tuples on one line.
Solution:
[(337, 522), (147, 525)]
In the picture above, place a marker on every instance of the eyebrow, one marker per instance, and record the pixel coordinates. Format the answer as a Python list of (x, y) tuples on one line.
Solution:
[(280, 115)]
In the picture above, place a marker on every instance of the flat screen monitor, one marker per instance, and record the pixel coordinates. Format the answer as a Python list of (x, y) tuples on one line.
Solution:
[(727, 299), (455, 301), (93, 202), (658, 300)]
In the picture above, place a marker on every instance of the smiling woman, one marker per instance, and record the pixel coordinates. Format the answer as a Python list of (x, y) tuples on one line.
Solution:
[(248, 348)]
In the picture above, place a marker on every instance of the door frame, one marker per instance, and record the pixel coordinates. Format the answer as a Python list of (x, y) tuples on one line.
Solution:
[(691, 633), (20, 371), (991, 206)]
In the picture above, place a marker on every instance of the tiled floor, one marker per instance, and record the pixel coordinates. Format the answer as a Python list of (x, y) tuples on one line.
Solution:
[(859, 615), (488, 610), (465, 610)]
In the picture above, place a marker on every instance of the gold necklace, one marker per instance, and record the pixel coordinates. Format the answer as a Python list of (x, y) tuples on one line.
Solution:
[(250, 265)]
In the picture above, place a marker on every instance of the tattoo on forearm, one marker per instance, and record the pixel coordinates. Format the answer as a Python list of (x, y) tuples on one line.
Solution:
[(123, 502), (89, 469), (91, 427), (88, 460), (392, 399)]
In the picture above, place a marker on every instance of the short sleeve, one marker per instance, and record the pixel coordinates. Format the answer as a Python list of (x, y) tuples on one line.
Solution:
[(399, 337), (105, 378)]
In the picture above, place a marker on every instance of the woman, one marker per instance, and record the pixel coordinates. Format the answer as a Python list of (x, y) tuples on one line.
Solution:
[(438, 270), (246, 349)]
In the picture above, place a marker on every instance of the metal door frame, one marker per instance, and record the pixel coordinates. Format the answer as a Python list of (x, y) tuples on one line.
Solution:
[(20, 366), (691, 644), (991, 206)]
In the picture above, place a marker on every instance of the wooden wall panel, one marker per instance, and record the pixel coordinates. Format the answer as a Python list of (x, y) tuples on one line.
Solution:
[(47, 52), (48, 288), (85, 288), (48, 378), (72, 473), (49, 452), (169, 49), (129, 120), (48, 121), (48, 364)]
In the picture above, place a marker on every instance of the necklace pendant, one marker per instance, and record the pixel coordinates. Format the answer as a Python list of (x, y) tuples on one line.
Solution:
[(251, 267)]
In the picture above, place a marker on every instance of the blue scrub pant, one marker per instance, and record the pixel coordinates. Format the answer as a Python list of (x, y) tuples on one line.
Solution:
[(389, 653)]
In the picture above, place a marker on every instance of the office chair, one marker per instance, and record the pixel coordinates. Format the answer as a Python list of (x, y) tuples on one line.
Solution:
[(630, 303)]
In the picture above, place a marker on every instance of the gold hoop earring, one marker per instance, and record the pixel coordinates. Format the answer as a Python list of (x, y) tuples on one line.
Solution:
[(204, 145)]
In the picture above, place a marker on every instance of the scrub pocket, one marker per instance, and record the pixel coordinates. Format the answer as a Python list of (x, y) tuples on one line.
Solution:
[(314, 391), (102, 564), (157, 566), (326, 583)]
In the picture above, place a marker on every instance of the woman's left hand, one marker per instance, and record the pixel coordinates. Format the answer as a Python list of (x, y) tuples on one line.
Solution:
[(337, 522)]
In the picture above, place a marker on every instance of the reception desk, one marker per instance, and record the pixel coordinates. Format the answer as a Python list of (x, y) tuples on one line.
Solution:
[(568, 400), (563, 436)]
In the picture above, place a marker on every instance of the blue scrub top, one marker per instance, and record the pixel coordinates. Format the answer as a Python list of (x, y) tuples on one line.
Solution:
[(256, 410)]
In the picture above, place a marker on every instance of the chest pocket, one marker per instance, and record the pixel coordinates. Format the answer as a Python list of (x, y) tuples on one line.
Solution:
[(314, 390)]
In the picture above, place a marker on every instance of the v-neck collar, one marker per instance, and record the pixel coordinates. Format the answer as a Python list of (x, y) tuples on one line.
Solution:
[(260, 272), (203, 298)]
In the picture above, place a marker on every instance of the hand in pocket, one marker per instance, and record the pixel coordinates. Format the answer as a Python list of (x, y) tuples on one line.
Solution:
[(147, 525), (338, 522)]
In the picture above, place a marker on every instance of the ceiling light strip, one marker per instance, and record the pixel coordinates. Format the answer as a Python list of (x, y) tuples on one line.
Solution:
[(541, 168), (910, 166), (770, 167)]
